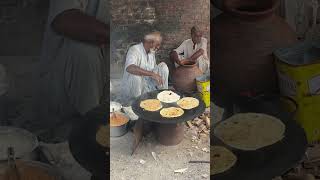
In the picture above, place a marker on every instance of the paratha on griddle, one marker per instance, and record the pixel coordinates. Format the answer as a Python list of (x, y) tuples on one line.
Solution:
[(151, 104), (171, 112), (188, 103), (221, 159), (250, 131)]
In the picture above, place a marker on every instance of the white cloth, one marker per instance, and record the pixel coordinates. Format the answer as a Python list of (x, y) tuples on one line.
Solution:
[(186, 50), (73, 73), (133, 85)]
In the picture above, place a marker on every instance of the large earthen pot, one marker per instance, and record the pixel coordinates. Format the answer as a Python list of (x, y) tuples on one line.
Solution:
[(218, 4), (184, 77), (244, 38)]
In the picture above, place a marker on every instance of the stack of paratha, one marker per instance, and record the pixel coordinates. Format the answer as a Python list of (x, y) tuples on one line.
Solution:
[(250, 131), (168, 96)]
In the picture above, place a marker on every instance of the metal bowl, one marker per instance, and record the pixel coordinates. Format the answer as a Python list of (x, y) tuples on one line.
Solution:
[(117, 131)]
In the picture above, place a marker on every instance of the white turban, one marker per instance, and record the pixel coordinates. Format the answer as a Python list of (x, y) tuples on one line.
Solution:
[(154, 36)]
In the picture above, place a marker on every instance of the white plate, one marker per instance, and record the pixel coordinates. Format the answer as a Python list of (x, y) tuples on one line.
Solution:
[(22, 141)]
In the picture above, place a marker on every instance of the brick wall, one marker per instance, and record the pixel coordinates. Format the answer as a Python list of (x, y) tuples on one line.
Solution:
[(21, 26), (131, 19)]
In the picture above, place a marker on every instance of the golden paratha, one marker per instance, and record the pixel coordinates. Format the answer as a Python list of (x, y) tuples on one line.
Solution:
[(151, 105), (188, 103), (221, 159), (102, 136), (168, 96), (250, 131), (171, 112)]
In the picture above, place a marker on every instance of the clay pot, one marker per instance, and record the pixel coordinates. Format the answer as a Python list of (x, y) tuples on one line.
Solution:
[(245, 36), (218, 4), (184, 77)]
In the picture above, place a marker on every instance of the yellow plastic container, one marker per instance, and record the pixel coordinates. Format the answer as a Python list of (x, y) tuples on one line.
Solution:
[(298, 69), (203, 86), (308, 115)]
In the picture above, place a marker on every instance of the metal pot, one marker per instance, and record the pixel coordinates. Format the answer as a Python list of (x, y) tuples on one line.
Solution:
[(117, 131)]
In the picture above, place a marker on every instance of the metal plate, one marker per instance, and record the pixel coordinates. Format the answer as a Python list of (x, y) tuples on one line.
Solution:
[(156, 117), (84, 147), (270, 161), (22, 141)]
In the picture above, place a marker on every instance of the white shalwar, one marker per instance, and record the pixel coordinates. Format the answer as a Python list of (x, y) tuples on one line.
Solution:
[(72, 73), (186, 48), (134, 85)]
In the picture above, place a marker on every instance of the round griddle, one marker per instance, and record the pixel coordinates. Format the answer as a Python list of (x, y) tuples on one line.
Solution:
[(83, 145), (156, 117), (270, 161)]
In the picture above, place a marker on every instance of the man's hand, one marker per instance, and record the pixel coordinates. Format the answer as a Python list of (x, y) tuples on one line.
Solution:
[(78, 26), (196, 55), (157, 78), (192, 60), (133, 69)]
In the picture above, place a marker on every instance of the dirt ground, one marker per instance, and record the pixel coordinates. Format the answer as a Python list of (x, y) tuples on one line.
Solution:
[(169, 158)]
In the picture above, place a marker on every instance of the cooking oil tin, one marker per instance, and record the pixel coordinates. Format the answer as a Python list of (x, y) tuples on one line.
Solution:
[(298, 69), (203, 86)]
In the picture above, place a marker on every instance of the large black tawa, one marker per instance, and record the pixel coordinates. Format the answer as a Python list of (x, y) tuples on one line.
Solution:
[(271, 161), (157, 118), (169, 131), (87, 152)]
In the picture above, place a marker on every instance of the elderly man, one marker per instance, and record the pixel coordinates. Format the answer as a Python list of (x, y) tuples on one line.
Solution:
[(194, 49), (141, 73), (73, 65)]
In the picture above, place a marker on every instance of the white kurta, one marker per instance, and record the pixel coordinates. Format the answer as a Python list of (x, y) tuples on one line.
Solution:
[(73, 73), (186, 48), (133, 85)]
